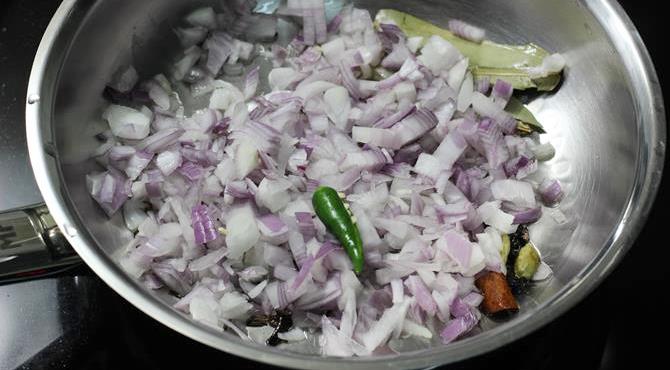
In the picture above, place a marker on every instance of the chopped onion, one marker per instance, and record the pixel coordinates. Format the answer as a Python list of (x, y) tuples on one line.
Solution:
[(450, 149), (492, 215), (518, 192), (214, 175), (422, 295), (110, 189), (137, 163), (187, 61), (191, 36), (465, 94), (544, 152), (458, 326), (439, 54), (457, 74), (466, 30), (203, 17), (125, 80), (242, 232), (502, 92), (127, 123), (202, 224), (551, 191), (121, 152), (551, 64), (282, 78)]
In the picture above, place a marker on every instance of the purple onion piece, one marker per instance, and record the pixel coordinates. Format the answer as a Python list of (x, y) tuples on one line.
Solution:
[(551, 191), (466, 30), (203, 226), (191, 171)]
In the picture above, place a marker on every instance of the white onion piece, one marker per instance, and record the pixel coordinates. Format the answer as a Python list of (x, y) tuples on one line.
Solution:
[(282, 78), (397, 290), (242, 231), (238, 115), (368, 232), (168, 162), (257, 290), (127, 123), (370, 160), (308, 91), (246, 158), (429, 166), (251, 83), (338, 105), (321, 168), (439, 54), (466, 30), (490, 243), (234, 306), (133, 214), (376, 136), (204, 310), (450, 149), (187, 61), (405, 91), (335, 343), (204, 17), (334, 50), (191, 36), (414, 43), (225, 95), (226, 171), (207, 260), (293, 335), (253, 274), (518, 192), (551, 64), (137, 163), (544, 152), (273, 194), (391, 321), (457, 74), (261, 334), (159, 95), (486, 107), (125, 79), (492, 215), (410, 328), (465, 93)]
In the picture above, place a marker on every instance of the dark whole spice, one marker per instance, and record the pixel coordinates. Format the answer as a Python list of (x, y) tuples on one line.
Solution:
[(280, 320)]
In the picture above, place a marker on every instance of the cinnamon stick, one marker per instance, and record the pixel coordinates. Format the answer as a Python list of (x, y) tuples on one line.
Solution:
[(498, 296)]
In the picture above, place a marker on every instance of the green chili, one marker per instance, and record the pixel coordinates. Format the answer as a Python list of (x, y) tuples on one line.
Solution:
[(334, 214)]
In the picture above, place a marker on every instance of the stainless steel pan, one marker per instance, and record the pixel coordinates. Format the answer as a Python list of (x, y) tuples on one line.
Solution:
[(606, 121)]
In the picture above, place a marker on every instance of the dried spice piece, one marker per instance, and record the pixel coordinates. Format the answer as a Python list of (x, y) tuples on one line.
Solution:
[(280, 320), (498, 297)]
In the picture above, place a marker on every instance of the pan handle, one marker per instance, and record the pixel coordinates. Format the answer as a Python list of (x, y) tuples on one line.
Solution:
[(32, 246)]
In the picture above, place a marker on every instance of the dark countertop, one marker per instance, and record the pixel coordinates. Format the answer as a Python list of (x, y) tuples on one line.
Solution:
[(620, 325), (17, 50)]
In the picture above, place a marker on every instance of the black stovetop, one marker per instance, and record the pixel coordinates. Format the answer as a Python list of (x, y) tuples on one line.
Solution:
[(75, 321)]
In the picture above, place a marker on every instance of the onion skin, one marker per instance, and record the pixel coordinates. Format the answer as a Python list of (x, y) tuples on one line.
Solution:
[(498, 297)]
